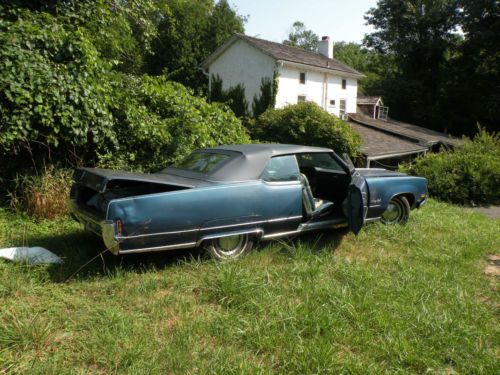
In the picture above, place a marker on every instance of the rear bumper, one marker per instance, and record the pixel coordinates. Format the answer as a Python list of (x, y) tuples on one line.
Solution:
[(103, 228)]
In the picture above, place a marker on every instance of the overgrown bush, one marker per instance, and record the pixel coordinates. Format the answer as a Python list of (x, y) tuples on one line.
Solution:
[(43, 196), (307, 124), (469, 174), (267, 97), (234, 97), (159, 122), (61, 103), (53, 92)]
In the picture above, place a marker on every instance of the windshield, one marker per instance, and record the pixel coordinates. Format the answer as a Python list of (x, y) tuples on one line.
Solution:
[(202, 162)]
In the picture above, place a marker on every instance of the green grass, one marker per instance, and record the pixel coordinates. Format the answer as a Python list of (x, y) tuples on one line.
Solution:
[(410, 299)]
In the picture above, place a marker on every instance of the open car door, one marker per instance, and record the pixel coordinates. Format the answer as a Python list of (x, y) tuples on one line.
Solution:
[(357, 199)]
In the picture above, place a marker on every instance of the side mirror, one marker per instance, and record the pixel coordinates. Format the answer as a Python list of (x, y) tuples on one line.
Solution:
[(348, 161)]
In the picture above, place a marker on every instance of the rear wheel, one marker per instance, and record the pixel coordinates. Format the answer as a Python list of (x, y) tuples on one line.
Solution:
[(229, 247), (397, 212)]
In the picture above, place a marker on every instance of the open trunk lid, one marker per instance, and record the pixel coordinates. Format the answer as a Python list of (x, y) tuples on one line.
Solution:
[(98, 179), (94, 188)]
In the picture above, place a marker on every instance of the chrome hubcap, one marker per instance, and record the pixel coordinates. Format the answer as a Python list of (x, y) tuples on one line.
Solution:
[(392, 213), (231, 244)]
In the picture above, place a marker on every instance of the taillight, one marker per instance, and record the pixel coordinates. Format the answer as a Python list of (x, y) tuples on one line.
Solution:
[(119, 227)]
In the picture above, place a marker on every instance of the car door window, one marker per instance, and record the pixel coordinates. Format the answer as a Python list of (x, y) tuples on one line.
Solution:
[(281, 168), (319, 160)]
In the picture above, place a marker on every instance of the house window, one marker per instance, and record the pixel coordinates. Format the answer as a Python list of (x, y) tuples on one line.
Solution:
[(302, 78), (301, 98), (344, 84), (332, 103)]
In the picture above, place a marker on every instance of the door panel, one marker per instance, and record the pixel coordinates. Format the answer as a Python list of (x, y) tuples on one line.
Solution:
[(357, 203)]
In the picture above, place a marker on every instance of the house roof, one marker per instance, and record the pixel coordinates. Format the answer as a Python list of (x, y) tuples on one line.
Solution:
[(423, 136), (368, 100), (377, 144), (282, 52)]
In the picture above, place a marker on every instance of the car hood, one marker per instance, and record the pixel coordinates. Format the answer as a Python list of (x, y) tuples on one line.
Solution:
[(376, 172)]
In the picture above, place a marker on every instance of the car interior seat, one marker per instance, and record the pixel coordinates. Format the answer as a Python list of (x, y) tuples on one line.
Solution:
[(314, 207)]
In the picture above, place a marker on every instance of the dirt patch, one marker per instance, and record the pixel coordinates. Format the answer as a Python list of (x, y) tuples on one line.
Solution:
[(493, 266)]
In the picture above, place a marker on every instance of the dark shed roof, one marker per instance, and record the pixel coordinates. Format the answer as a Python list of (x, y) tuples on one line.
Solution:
[(288, 53), (424, 137), (368, 100), (379, 144)]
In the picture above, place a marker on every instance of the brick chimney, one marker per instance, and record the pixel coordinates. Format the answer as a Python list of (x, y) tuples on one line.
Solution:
[(325, 47)]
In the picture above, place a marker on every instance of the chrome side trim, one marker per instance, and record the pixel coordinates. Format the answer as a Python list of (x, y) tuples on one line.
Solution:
[(121, 238), (372, 219), (332, 224), (157, 234), (282, 183), (279, 234), (323, 224), (257, 231), (253, 223), (158, 248), (284, 219), (234, 225)]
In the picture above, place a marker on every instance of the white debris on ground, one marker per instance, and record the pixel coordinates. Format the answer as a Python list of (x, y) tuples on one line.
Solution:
[(30, 255)]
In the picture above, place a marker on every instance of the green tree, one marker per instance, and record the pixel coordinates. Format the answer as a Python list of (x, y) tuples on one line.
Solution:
[(375, 66), (301, 37), (419, 36), (120, 30), (474, 70), (234, 97), (187, 35), (266, 99), (155, 37), (223, 22)]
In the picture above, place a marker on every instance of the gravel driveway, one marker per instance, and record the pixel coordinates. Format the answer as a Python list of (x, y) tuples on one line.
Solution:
[(491, 211)]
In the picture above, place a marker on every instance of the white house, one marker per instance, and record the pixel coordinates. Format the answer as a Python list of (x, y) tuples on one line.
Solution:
[(318, 77), (301, 75)]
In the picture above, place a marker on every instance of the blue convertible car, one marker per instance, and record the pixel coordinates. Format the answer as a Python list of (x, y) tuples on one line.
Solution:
[(228, 197)]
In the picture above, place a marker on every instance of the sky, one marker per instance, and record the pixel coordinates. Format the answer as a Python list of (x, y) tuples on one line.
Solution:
[(272, 19)]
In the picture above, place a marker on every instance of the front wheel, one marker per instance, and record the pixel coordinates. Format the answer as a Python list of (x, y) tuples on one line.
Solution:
[(397, 212), (229, 247)]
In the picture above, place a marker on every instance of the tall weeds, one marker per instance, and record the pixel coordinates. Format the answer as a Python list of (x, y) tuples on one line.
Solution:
[(43, 196)]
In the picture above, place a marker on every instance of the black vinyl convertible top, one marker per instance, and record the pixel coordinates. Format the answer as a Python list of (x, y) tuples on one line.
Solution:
[(246, 162)]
